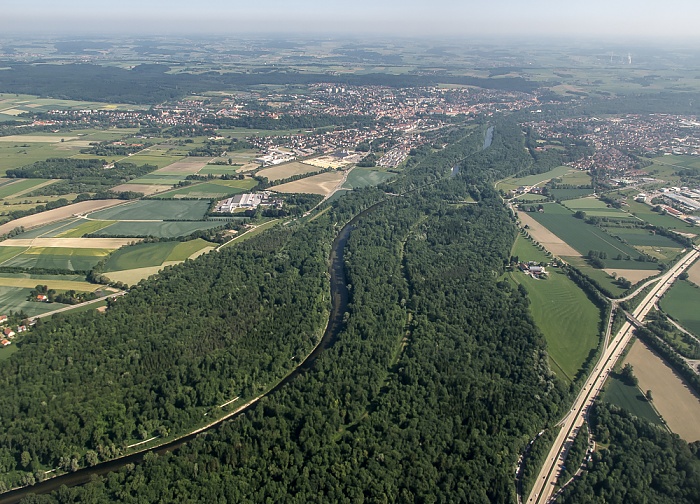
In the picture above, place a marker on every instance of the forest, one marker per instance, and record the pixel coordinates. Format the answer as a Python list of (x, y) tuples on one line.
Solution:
[(151, 83), (437, 381), (642, 463)]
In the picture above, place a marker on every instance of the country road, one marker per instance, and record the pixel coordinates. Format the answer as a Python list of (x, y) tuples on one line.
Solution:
[(73, 307), (545, 483)]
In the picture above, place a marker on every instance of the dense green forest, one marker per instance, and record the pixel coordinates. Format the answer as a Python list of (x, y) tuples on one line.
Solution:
[(150, 83), (643, 463), (206, 332), (436, 383)]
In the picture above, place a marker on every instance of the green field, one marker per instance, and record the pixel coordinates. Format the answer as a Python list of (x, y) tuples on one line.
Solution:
[(145, 255), (630, 398), (18, 154), (9, 252), (364, 177), (643, 238), (598, 275), (584, 237), (530, 180), (20, 185), (567, 194), (530, 198), (209, 190), (58, 258), (141, 255), (171, 229), (50, 230), (186, 249), (158, 179), (566, 317), (15, 299), (576, 178), (644, 212), (219, 170), (153, 210), (83, 228), (682, 303)]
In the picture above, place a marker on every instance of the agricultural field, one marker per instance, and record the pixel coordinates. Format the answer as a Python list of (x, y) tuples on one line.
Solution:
[(58, 214), (562, 311), (145, 189), (52, 258), (286, 170), (155, 254), (158, 229), (324, 184), (153, 210), (131, 264), (212, 169), (56, 282), (530, 198), (78, 243), (567, 194), (595, 208), (214, 189), (645, 212), (364, 177), (151, 179), (15, 299), (575, 178), (18, 187), (630, 398), (187, 166), (682, 303), (84, 228), (531, 180), (21, 153), (30, 103), (584, 237), (694, 273), (672, 398)]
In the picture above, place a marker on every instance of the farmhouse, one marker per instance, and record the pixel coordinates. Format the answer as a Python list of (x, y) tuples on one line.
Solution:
[(3, 319), (5, 343), (42, 298), (9, 333)]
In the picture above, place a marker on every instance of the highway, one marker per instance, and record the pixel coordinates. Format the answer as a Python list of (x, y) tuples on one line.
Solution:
[(544, 486)]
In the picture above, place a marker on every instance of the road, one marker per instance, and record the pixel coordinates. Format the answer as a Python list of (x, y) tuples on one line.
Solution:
[(549, 474), (73, 307)]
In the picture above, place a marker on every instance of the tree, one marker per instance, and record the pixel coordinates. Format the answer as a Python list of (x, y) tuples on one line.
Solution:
[(627, 375), (25, 459), (580, 214), (648, 395)]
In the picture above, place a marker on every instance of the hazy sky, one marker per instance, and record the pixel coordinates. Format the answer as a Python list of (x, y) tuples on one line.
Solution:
[(637, 19)]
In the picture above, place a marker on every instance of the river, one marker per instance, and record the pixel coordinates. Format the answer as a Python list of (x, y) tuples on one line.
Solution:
[(339, 303), (488, 138)]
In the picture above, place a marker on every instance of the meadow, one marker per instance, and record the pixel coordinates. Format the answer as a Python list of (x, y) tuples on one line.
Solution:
[(562, 311), (364, 177), (567, 194), (531, 180), (154, 210), (630, 398), (682, 303), (165, 229)]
